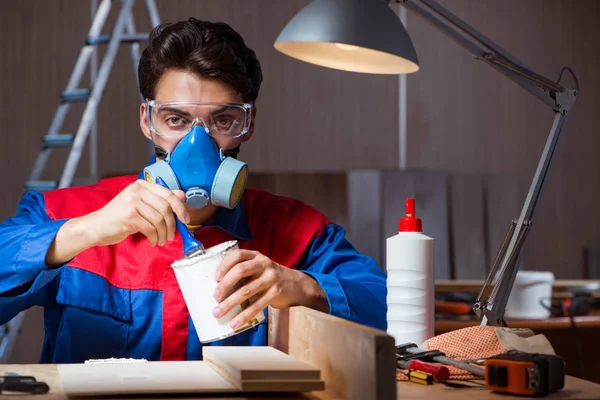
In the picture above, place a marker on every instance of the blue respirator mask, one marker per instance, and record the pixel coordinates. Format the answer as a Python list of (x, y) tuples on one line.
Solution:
[(202, 171)]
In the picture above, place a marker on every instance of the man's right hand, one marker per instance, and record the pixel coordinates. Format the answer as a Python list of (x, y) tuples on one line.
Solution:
[(141, 207)]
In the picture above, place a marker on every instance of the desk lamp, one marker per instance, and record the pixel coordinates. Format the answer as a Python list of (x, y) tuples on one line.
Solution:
[(366, 36)]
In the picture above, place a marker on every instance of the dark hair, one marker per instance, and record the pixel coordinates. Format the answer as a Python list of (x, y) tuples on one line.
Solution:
[(207, 49)]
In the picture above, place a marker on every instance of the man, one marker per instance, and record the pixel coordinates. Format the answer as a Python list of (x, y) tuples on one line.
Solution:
[(98, 258)]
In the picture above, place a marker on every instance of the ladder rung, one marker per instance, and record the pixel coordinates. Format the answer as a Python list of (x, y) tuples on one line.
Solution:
[(69, 96), (102, 39), (128, 38), (59, 140), (135, 37), (41, 186)]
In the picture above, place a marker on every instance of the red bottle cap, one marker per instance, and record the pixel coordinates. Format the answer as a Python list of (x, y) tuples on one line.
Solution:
[(410, 223)]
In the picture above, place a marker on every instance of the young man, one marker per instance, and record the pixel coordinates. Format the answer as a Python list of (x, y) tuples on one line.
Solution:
[(98, 258)]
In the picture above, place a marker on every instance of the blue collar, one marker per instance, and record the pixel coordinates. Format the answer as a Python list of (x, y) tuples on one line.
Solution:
[(231, 221)]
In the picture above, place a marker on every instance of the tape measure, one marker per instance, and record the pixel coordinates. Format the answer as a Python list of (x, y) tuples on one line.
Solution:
[(525, 374)]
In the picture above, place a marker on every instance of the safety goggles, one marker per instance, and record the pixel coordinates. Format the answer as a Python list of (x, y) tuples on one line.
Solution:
[(177, 118)]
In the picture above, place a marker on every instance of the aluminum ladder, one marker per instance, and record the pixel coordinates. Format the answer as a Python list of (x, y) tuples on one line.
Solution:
[(123, 32)]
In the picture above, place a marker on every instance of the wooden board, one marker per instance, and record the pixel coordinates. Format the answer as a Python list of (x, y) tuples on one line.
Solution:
[(356, 362), (226, 369), (142, 378), (326, 191), (263, 368), (467, 225), (364, 213)]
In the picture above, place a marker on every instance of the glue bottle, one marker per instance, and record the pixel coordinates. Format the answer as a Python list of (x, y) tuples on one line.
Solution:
[(410, 281)]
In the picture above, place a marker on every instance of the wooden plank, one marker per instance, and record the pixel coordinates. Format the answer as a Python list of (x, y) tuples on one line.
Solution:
[(226, 369), (429, 189), (356, 362), (467, 225), (142, 378), (257, 363), (364, 213), (325, 191), (279, 326), (591, 262)]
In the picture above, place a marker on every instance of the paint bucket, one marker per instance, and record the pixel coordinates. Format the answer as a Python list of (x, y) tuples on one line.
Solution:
[(196, 279), (530, 295)]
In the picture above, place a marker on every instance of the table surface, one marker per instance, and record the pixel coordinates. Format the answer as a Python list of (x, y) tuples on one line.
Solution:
[(475, 285), (574, 389), (590, 321)]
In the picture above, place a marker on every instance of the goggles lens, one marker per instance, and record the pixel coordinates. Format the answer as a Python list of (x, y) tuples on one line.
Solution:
[(176, 119)]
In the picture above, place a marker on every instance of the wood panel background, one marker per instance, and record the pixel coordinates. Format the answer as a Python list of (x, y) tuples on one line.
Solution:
[(309, 118), (464, 117)]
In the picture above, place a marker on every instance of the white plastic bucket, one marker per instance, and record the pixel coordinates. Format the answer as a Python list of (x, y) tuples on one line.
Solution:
[(196, 278), (530, 295)]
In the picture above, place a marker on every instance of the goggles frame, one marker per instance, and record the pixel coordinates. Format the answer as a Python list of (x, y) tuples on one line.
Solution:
[(247, 107)]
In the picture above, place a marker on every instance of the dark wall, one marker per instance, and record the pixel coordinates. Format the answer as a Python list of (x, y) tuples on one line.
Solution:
[(463, 117)]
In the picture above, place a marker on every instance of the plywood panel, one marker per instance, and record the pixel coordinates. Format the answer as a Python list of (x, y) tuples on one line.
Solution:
[(142, 378), (365, 212), (468, 239), (260, 362), (465, 117), (324, 191)]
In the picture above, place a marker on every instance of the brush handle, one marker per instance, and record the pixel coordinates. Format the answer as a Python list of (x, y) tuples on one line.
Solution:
[(189, 242)]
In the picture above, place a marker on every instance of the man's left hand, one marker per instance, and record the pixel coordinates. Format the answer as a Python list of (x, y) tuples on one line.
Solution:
[(265, 283)]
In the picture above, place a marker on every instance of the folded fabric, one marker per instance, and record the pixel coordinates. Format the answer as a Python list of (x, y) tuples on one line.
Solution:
[(475, 344)]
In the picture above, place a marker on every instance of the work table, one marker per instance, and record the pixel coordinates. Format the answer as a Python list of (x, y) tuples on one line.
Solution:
[(574, 389), (355, 362)]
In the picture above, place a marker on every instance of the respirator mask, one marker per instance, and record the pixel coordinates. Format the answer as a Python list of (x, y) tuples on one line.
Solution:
[(197, 166)]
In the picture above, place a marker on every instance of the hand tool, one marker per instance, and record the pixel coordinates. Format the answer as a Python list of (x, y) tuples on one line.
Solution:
[(435, 355), (525, 374), (439, 372), (191, 247), (419, 377)]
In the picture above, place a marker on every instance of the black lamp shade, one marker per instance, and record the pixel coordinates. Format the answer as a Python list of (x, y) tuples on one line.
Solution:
[(351, 35)]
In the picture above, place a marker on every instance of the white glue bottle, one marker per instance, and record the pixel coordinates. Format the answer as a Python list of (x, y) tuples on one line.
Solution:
[(410, 281)]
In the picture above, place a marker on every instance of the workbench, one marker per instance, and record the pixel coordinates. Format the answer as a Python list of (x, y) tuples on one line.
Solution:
[(356, 362), (575, 389), (558, 330)]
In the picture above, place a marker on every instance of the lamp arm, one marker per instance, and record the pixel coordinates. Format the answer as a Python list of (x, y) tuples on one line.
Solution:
[(492, 299), (486, 50)]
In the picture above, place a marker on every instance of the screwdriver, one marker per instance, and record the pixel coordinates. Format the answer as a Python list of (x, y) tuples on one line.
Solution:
[(419, 377), (412, 349), (440, 373)]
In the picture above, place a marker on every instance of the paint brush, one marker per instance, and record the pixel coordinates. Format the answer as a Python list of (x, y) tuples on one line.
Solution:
[(191, 246)]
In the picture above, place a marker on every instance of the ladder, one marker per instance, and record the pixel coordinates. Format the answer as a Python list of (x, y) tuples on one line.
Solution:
[(123, 32)]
